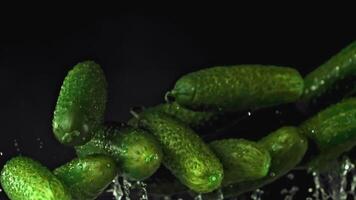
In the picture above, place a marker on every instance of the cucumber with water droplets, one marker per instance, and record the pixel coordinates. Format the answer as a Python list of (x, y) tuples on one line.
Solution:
[(287, 148), (137, 153), (81, 104), (236, 88), (86, 178), (185, 154), (242, 160), (25, 179), (325, 77)]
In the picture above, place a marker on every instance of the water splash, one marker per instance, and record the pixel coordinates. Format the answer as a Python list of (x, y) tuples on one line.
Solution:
[(116, 189), (17, 146), (257, 194), (126, 187), (198, 197), (289, 194), (338, 183)]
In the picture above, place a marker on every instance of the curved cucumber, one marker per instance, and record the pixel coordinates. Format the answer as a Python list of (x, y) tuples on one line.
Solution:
[(242, 160), (185, 154), (337, 68), (136, 152), (86, 178), (286, 147), (80, 105), (237, 88), (23, 178)]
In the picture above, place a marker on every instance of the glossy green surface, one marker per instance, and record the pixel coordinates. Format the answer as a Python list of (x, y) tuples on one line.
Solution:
[(80, 105), (25, 179), (286, 147), (185, 154), (86, 178), (326, 76), (333, 126), (237, 88), (242, 160), (136, 152)]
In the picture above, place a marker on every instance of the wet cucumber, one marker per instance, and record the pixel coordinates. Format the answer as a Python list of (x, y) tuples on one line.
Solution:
[(137, 153), (194, 119), (333, 130), (80, 105), (238, 88), (242, 160), (86, 178), (337, 68), (23, 178), (333, 126), (185, 154), (286, 147)]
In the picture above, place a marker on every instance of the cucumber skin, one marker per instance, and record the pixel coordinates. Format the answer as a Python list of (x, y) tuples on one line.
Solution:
[(242, 160), (86, 178), (333, 126), (338, 67), (185, 154), (238, 88), (23, 178), (136, 152), (287, 148), (81, 104)]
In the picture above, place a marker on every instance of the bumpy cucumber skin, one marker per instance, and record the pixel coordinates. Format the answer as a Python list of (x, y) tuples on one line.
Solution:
[(136, 152), (333, 126), (338, 67), (185, 154), (81, 104), (287, 147), (86, 178), (196, 120), (242, 160), (23, 178), (238, 88)]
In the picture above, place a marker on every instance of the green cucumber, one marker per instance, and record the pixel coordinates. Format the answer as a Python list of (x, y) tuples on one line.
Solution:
[(23, 178), (325, 77), (287, 147), (137, 153), (333, 126), (242, 160), (86, 178), (185, 154), (238, 88), (80, 105)]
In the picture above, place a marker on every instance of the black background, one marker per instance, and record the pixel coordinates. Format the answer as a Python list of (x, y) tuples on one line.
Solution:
[(142, 53)]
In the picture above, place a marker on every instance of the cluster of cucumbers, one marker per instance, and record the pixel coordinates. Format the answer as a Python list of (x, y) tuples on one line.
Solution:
[(167, 134)]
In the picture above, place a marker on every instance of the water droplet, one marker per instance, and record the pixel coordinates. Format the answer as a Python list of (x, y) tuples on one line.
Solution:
[(290, 176), (257, 194), (249, 113), (1, 153)]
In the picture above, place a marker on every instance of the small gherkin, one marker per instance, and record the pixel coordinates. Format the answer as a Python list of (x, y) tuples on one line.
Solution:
[(23, 178), (242, 160), (136, 152), (86, 178), (236, 88), (184, 153), (81, 104)]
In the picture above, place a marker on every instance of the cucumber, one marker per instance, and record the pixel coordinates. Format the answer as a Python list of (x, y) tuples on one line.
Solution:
[(333, 130), (23, 178), (333, 126), (287, 147), (86, 178), (196, 120), (236, 88), (242, 160), (80, 105), (328, 75), (137, 153), (185, 154)]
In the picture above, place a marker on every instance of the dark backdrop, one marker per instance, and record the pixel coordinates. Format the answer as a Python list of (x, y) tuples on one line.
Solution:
[(142, 55)]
